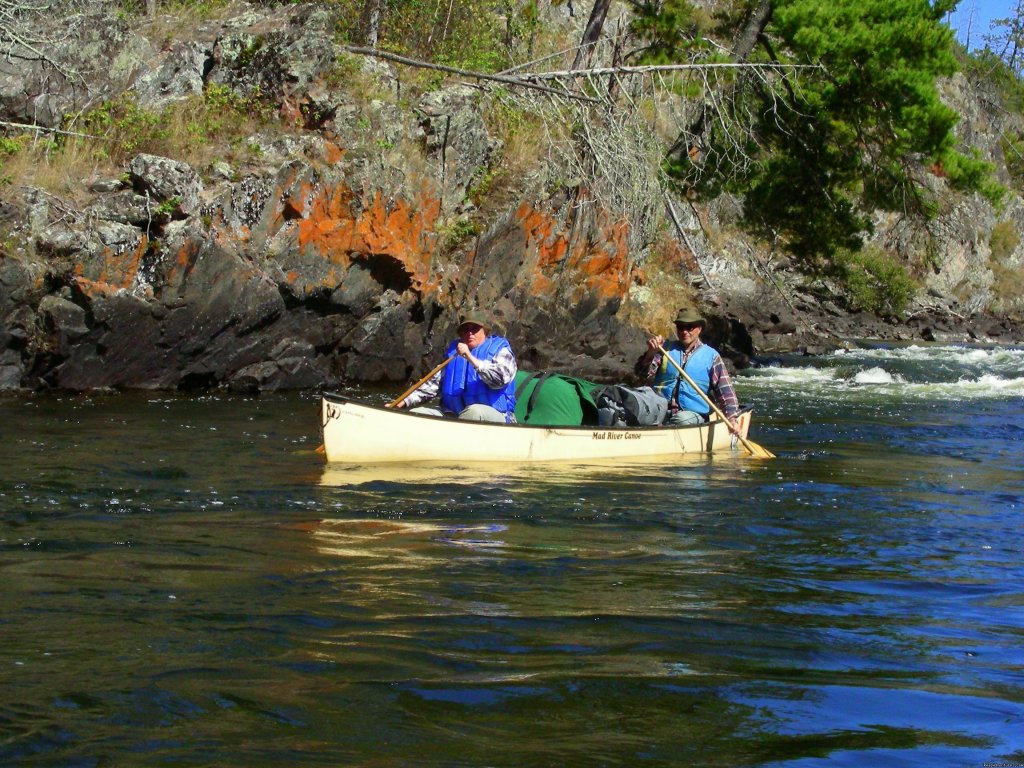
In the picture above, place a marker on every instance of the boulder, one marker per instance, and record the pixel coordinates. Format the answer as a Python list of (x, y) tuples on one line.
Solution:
[(179, 75), (97, 56), (174, 185), (60, 316)]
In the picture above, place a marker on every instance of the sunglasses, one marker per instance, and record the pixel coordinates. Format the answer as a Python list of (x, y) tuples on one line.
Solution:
[(687, 326)]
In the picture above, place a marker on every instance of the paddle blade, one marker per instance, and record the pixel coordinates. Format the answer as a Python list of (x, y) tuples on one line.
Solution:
[(758, 451)]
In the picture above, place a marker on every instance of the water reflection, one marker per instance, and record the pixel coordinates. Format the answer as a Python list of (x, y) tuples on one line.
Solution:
[(498, 473)]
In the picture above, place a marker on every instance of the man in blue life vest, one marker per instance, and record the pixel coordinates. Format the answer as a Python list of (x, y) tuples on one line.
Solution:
[(702, 363), (479, 383)]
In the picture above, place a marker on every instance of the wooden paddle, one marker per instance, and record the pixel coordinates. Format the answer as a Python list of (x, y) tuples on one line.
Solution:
[(401, 398), (755, 450), (398, 401)]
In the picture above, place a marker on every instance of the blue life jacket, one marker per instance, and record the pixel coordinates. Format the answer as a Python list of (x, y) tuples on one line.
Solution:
[(462, 387), (698, 368)]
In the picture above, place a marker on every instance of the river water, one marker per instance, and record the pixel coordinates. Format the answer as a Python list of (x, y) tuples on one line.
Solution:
[(184, 583)]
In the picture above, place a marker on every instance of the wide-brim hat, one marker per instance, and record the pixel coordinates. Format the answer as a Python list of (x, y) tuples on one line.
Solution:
[(690, 316), (475, 316)]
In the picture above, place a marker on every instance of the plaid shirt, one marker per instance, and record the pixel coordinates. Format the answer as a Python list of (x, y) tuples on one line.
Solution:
[(721, 390), (495, 373)]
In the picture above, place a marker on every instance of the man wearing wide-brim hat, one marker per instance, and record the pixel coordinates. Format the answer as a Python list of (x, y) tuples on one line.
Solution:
[(478, 381), (702, 363)]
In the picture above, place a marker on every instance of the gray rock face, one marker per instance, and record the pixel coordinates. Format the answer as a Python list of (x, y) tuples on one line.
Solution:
[(457, 139), (168, 182), (91, 58), (326, 254), (61, 316), (278, 59), (181, 75), (128, 207)]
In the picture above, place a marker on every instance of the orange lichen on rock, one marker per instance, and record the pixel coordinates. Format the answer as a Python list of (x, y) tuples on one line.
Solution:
[(599, 264), (333, 153), (112, 272), (182, 264), (394, 227), (95, 289), (678, 257)]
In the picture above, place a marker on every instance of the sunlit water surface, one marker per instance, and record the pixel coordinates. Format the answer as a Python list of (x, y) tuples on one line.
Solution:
[(185, 583)]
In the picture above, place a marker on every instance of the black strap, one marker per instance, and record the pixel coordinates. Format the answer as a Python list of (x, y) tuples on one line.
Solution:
[(533, 395), (679, 377), (540, 377), (522, 385)]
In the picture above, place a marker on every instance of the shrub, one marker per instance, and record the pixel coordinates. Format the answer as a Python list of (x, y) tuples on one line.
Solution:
[(124, 127), (874, 281), (472, 34), (195, 130), (1008, 278), (454, 233), (1007, 285), (1013, 151), (1004, 240)]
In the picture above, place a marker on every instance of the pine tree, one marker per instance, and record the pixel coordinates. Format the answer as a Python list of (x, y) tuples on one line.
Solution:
[(854, 131)]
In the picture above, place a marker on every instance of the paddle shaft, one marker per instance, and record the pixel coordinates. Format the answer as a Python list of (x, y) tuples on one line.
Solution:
[(718, 411), (401, 398)]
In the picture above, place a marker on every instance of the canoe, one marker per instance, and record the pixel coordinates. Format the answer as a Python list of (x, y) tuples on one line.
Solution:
[(357, 433)]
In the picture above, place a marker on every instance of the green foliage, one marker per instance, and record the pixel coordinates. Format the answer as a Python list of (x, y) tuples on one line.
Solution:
[(970, 172), (874, 281), (199, 9), (1012, 143), (857, 126), (671, 29), (1008, 276), (510, 117), (454, 233), (484, 182), (1004, 240), (349, 24), (183, 128), (523, 23), (1008, 284), (469, 34), (168, 207), (346, 69), (521, 131), (1006, 37), (815, 150), (127, 127), (13, 145), (989, 67)]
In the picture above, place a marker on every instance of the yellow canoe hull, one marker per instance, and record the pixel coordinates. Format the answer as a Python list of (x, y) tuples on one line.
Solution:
[(356, 433)]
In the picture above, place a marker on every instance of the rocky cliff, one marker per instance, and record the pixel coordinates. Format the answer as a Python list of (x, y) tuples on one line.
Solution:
[(341, 245)]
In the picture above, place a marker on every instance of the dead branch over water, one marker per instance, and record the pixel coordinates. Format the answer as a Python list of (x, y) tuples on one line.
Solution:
[(610, 143)]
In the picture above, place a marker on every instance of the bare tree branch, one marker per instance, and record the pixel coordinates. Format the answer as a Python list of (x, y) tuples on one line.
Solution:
[(652, 68), (44, 129), (20, 37), (521, 81)]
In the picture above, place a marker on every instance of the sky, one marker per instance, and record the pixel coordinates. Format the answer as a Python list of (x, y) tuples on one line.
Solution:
[(977, 16)]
